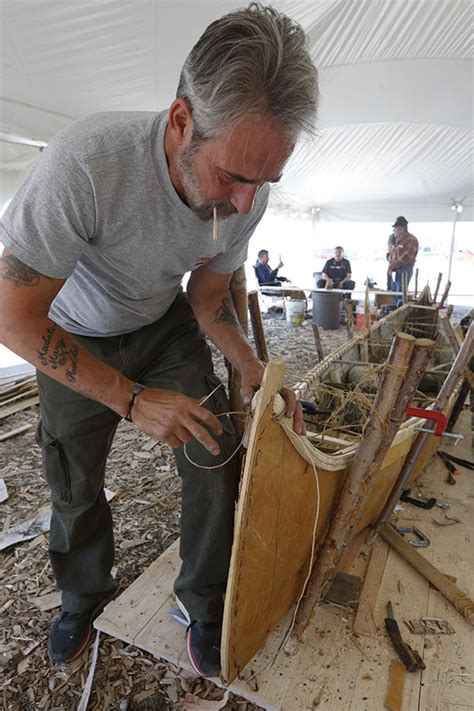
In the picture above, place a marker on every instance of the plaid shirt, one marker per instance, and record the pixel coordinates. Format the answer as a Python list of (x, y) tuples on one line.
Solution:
[(405, 251)]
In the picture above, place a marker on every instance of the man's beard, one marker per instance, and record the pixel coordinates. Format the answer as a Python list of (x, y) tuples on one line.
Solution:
[(203, 209)]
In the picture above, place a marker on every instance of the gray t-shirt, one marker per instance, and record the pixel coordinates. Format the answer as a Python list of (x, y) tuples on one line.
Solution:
[(98, 208)]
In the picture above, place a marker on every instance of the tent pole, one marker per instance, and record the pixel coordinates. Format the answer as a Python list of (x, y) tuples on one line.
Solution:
[(452, 242)]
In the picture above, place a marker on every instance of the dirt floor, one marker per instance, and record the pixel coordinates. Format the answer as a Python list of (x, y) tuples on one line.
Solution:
[(142, 475)]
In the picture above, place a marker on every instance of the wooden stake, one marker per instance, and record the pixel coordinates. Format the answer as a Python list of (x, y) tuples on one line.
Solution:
[(416, 282), (238, 290), (449, 385), (396, 390), (317, 340), (364, 623), (257, 327), (449, 332), (424, 298), (438, 284), (368, 323), (405, 287), (463, 604), (350, 317), (445, 294)]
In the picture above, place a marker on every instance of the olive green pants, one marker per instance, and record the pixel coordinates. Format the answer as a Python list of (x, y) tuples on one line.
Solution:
[(76, 433)]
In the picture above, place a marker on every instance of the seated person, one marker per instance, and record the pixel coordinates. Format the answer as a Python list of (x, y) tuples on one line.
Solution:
[(265, 274), (337, 272)]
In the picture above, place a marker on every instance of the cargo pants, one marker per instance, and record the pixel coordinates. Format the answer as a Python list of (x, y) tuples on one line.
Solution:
[(75, 435)]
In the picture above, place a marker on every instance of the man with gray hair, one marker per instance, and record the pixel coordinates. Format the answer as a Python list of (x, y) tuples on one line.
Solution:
[(98, 238)]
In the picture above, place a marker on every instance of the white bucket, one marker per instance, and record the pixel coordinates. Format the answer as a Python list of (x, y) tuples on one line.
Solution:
[(295, 310)]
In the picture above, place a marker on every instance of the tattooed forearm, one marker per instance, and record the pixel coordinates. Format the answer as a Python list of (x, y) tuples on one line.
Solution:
[(226, 314), (58, 355), (19, 273)]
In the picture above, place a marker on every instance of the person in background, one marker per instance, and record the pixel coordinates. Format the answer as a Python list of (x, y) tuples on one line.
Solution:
[(390, 246), (337, 272), (265, 274), (403, 254)]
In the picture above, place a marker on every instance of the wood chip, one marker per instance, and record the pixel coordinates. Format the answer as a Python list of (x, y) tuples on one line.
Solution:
[(3, 491), (82, 706), (27, 530), (192, 702), (47, 602)]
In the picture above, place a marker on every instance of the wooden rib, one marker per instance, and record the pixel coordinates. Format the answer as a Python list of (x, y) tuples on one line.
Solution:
[(438, 284), (238, 290), (257, 327)]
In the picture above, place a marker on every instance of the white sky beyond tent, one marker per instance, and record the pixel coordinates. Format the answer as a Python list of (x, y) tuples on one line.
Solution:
[(395, 127)]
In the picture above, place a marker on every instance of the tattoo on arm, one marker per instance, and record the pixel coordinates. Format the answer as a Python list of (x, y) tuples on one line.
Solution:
[(226, 314), (56, 354), (19, 273)]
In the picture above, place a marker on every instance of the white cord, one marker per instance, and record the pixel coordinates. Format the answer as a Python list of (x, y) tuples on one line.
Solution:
[(220, 414)]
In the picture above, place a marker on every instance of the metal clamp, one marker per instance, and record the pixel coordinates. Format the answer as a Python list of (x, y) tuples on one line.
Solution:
[(422, 542), (440, 419), (451, 435)]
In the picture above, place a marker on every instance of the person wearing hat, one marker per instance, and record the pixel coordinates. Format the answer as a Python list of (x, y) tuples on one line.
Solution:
[(403, 254)]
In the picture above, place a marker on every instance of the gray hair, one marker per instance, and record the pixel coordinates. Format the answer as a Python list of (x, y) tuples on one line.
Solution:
[(251, 61)]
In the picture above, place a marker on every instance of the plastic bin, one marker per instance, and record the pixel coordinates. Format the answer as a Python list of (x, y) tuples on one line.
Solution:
[(295, 310), (326, 308)]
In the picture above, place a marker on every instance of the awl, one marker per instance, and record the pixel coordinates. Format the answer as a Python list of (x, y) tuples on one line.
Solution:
[(410, 657)]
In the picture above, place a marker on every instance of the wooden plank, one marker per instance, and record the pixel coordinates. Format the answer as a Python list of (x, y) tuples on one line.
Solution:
[(22, 405), (448, 681), (126, 616), (13, 433), (462, 602), (350, 555), (396, 683), (364, 623), (409, 594)]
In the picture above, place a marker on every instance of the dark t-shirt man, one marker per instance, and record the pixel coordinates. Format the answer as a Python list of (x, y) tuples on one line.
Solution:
[(337, 270)]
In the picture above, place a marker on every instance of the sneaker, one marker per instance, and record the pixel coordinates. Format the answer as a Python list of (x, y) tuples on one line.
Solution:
[(70, 634), (203, 641)]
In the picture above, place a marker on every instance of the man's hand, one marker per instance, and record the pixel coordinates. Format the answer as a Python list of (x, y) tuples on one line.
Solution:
[(251, 381), (280, 263), (175, 418)]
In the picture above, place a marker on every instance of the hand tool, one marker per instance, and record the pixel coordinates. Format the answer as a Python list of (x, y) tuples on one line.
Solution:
[(423, 502), (458, 460), (410, 657), (422, 542), (429, 625), (310, 408)]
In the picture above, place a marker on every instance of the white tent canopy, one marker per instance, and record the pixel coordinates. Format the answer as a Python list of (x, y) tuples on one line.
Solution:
[(395, 128)]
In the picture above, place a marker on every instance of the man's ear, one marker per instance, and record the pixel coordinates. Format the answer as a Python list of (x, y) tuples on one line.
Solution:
[(180, 122)]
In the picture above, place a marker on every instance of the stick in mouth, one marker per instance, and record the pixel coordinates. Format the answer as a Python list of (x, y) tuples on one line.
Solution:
[(214, 225)]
